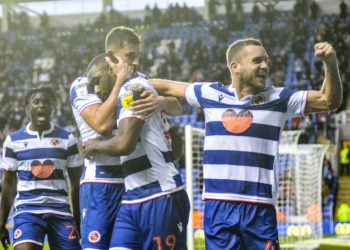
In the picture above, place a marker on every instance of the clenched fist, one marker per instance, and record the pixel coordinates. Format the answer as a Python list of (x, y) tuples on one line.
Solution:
[(325, 52)]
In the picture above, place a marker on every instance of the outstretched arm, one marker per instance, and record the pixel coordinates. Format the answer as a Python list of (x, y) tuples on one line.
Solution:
[(169, 88), (123, 143), (9, 189), (152, 103), (101, 117), (330, 95)]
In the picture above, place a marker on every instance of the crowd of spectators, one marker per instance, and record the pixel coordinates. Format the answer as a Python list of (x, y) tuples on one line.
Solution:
[(56, 56)]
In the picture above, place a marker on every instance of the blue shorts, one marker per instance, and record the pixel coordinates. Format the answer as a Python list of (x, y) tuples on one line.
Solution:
[(160, 223), (240, 225), (32, 228), (99, 205)]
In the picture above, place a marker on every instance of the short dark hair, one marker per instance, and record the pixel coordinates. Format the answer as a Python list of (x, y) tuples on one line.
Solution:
[(98, 69), (118, 35), (235, 48), (46, 90)]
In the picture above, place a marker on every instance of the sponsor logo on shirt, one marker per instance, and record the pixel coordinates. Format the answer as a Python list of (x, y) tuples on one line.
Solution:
[(237, 123), (126, 99)]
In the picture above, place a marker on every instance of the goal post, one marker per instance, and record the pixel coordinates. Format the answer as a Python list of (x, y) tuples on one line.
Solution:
[(299, 202)]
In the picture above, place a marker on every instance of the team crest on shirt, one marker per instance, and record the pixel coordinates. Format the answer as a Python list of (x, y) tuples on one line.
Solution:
[(94, 236), (237, 123), (55, 142), (17, 233)]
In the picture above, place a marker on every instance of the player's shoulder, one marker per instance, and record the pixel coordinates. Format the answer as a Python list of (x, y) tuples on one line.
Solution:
[(215, 85), (273, 93), (138, 81), (209, 87), (60, 132), (139, 74), (79, 81), (81, 88), (18, 134)]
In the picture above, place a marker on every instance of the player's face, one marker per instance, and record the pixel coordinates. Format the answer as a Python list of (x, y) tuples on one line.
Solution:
[(39, 109), (253, 67), (130, 53)]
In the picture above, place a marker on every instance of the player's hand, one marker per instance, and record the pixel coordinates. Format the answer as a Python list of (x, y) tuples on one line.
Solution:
[(325, 52), (4, 237), (121, 69), (148, 105), (89, 147)]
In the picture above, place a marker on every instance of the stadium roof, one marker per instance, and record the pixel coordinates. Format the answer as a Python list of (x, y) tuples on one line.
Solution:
[(62, 7)]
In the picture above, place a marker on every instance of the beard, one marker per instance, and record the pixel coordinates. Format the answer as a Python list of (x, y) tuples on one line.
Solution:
[(252, 81)]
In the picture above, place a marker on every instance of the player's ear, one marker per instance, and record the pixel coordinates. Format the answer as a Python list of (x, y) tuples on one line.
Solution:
[(235, 67)]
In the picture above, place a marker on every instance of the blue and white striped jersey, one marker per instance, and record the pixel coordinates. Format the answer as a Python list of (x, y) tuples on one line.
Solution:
[(101, 168), (41, 165), (241, 140), (149, 171)]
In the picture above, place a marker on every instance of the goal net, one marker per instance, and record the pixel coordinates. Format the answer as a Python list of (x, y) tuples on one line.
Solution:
[(298, 207)]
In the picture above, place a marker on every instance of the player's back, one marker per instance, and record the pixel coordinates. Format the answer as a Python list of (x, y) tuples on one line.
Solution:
[(101, 168), (149, 170)]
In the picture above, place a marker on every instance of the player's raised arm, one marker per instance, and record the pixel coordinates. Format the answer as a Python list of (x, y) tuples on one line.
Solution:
[(101, 117), (330, 95), (169, 88), (9, 190)]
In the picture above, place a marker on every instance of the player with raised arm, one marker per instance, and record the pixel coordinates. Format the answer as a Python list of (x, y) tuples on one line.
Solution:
[(244, 121), (154, 210), (36, 159)]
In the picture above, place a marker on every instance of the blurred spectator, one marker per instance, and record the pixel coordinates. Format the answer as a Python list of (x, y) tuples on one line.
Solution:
[(256, 12), (270, 10), (212, 8), (343, 212), (344, 160), (314, 9), (343, 10)]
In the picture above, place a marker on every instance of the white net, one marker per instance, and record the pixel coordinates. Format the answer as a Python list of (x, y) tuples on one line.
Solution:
[(298, 206), (299, 203), (290, 137)]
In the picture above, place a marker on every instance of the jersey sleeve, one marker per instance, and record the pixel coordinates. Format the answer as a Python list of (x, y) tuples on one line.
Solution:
[(297, 103), (9, 160), (193, 94), (74, 159), (82, 94)]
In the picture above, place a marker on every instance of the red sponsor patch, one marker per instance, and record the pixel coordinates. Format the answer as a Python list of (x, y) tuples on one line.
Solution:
[(42, 170), (237, 123)]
